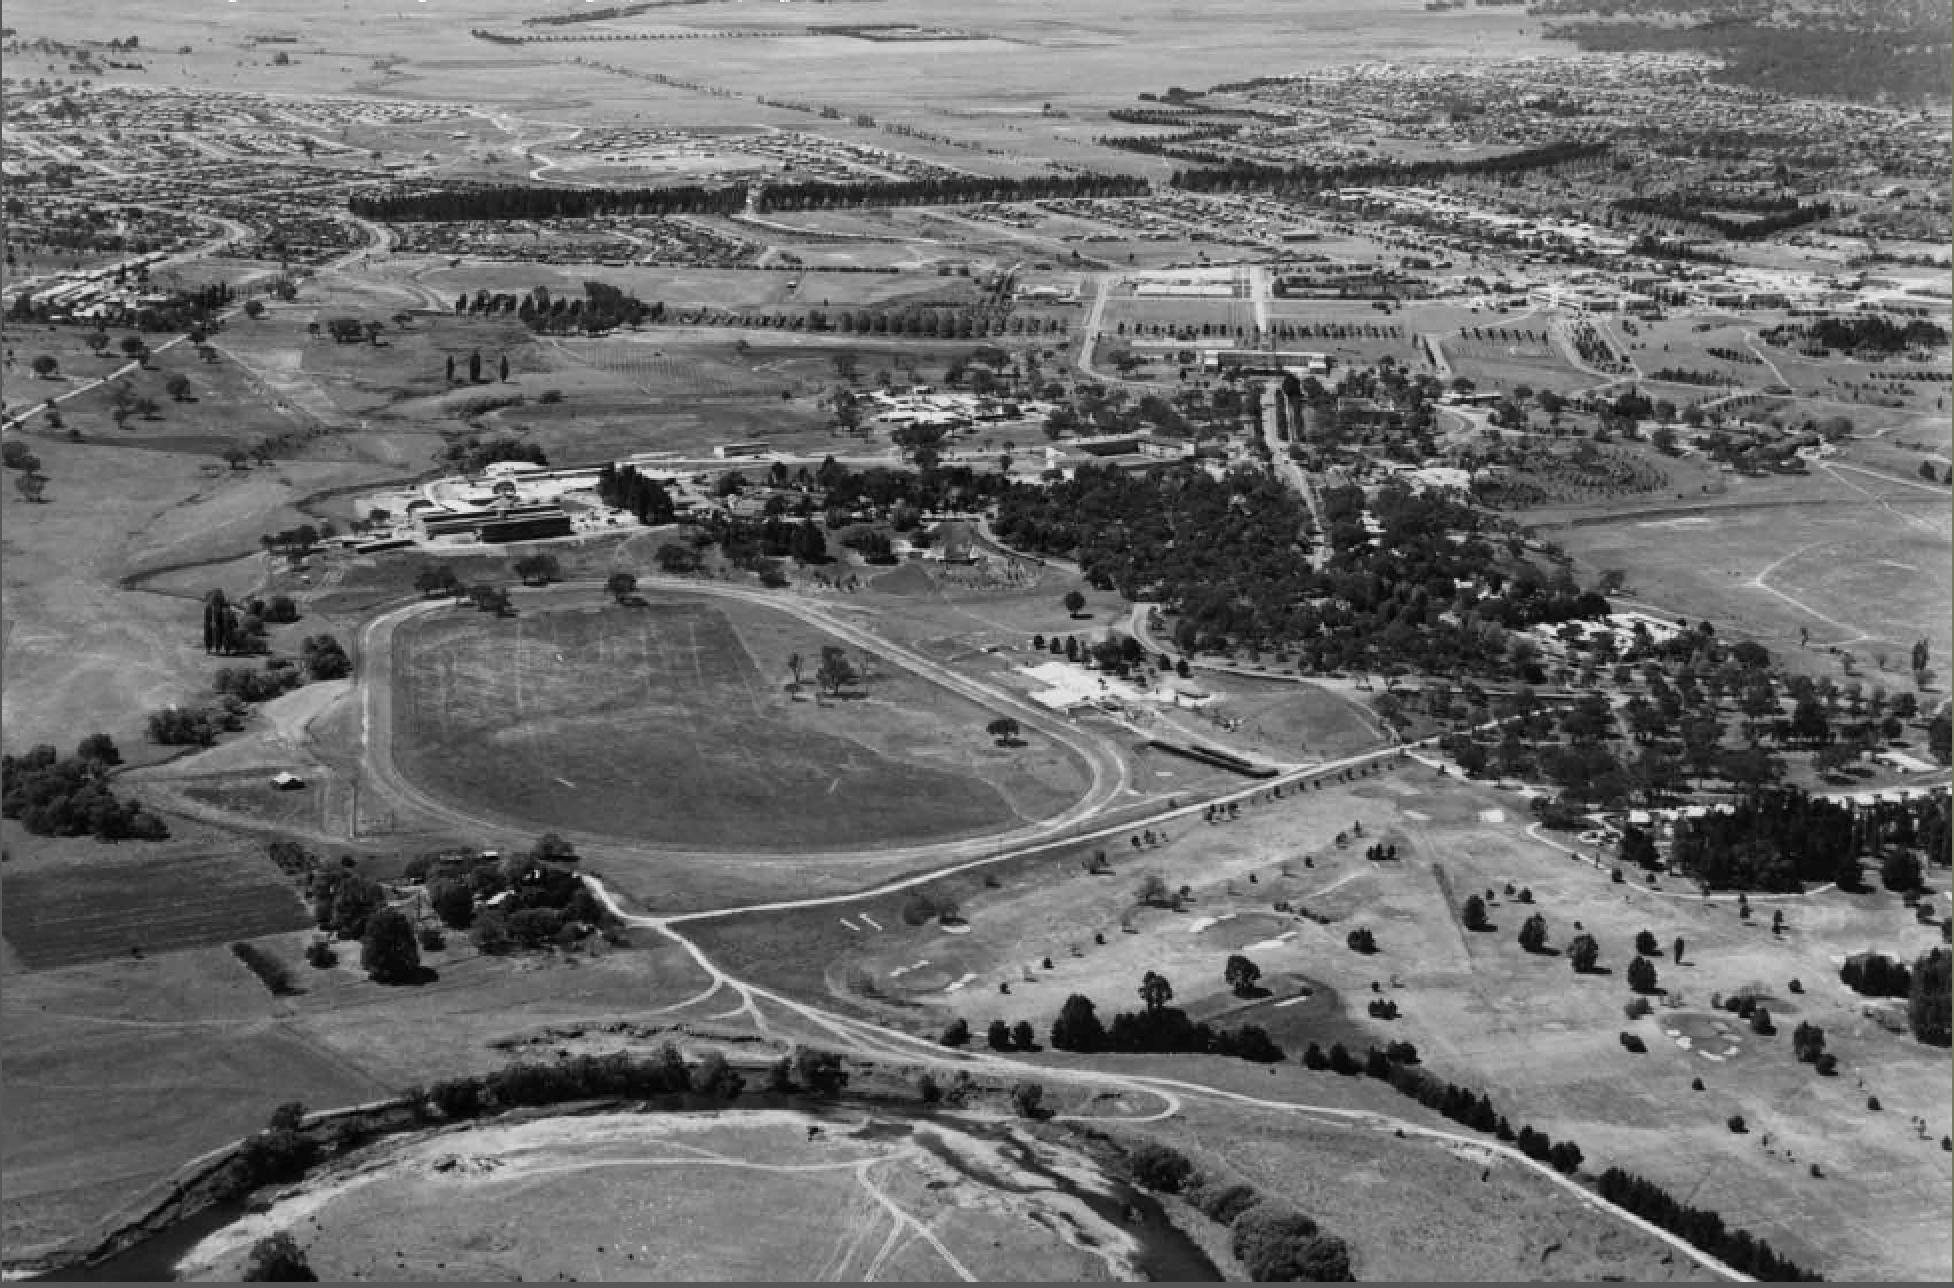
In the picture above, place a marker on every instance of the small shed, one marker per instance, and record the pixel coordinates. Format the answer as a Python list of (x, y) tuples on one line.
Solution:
[(286, 781)]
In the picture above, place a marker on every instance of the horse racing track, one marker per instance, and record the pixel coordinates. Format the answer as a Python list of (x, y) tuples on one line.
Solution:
[(654, 723)]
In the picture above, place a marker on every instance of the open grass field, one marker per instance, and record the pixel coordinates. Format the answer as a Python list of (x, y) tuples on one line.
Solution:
[(1864, 572), (667, 724), (732, 1195), (1541, 1041), (158, 898), (122, 1071), (84, 655)]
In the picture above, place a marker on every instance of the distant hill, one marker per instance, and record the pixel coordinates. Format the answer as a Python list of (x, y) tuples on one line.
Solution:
[(1886, 51)]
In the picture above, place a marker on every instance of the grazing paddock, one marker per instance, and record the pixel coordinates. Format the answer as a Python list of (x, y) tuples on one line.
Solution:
[(119, 1072), (740, 1194), (100, 909), (1863, 576), (656, 722)]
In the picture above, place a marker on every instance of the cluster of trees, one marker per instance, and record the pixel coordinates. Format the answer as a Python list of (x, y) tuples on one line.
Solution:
[(1782, 838), (1876, 975), (1226, 558), (512, 201), (52, 795), (1157, 1027), (626, 489), (1928, 998), (1274, 1243), (234, 628), (473, 455), (197, 726), (546, 904), (1859, 332)]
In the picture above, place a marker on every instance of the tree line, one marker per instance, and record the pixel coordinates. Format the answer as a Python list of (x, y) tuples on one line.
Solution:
[(527, 202), (1228, 174)]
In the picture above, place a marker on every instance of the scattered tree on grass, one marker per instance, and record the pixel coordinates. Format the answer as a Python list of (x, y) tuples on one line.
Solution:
[(1533, 933), (1241, 975), (1362, 940), (1645, 944), (1155, 991), (1807, 1042), (956, 1033), (1074, 603), (1027, 1099), (1473, 915), (1641, 975), (621, 586), (1584, 952), (1004, 730), (836, 672), (998, 1035)]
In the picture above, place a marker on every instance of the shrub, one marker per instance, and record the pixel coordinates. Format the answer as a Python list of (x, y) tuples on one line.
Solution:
[(1637, 1008), (1872, 1103), (276, 1258), (1277, 1244), (1634, 1043), (956, 1033), (1159, 1167), (1827, 1065), (1224, 1205), (432, 940), (1807, 1042), (928, 1089), (1473, 915), (1735, 1123), (271, 972), (319, 954), (1696, 1084), (1362, 940), (1027, 1098)]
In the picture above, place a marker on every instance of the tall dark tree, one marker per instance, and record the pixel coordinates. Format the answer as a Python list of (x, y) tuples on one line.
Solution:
[(389, 953), (475, 367), (1078, 1027)]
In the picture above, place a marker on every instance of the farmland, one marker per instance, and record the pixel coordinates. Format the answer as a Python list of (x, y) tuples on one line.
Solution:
[(605, 719), (113, 907)]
